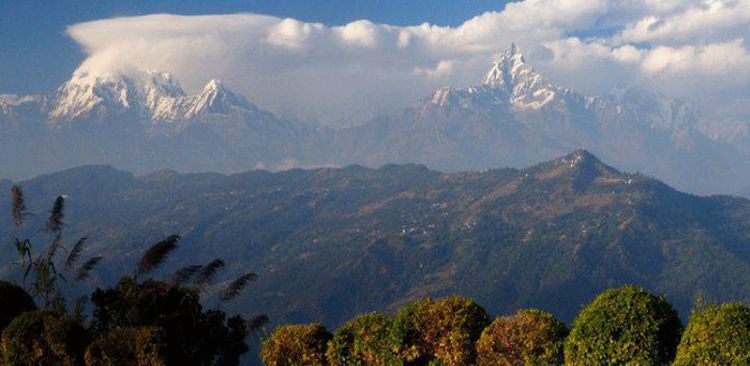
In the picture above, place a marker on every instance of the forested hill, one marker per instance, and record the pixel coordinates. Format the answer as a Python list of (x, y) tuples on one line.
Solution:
[(329, 243)]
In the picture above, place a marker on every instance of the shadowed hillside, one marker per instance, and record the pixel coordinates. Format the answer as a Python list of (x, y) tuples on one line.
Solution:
[(330, 243)]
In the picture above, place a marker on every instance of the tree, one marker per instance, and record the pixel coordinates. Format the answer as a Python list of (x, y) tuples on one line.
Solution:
[(529, 337), (443, 330), (44, 338), (364, 340), (296, 345), (193, 336), (141, 346), (716, 335), (626, 325), (14, 301)]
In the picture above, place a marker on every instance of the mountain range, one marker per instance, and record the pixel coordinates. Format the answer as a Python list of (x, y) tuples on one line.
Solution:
[(327, 243), (144, 121)]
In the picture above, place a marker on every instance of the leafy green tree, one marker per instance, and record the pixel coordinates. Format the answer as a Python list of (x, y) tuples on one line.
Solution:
[(44, 338), (296, 345), (529, 337), (14, 301), (364, 340), (443, 330), (716, 335), (142, 346), (624, 326), (193, 336)]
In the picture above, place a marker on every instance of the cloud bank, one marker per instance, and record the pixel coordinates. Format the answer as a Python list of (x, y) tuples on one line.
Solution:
[(346, 74)]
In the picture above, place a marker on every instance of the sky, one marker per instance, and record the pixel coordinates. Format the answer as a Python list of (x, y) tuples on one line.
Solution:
[(341, 62), (38, 56)]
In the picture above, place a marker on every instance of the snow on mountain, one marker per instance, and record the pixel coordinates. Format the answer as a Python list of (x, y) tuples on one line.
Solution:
[(98, 95), (147, 95), (510, 81), (14, 100), (216, 98), (525, 87)]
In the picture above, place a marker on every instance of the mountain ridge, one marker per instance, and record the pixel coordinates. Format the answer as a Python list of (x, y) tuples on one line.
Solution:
[(513, 117), (550, 236)]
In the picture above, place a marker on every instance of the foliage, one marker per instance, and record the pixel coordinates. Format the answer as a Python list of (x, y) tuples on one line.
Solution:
[(442, 330), (148, 322), (141, 346), (43, 338), (716, 335), (529, 337), (364, 340), (296, 345), (43, 267), (194, 337), (626, 325), (14, 301), (157, 254)]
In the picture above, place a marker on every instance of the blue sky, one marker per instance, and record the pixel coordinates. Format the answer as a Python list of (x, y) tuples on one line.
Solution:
[(37, 55), (347, 60)]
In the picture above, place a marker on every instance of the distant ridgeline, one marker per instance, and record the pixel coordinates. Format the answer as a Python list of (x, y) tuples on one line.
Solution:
[(331, 243), (144, 121)]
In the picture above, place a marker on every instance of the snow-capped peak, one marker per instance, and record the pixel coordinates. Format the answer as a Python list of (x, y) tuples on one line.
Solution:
[(216, 98), (508, 64), (146, 95), (525, 87), (89, 94), (510, 81)]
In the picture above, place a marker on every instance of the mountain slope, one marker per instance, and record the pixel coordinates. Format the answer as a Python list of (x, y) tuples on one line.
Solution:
[(517, 117), (144, 121), (328, 243)]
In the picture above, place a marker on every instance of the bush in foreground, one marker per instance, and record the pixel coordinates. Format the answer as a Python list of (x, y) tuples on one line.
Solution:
[(443, 331), (528, 337), (716, 335), (626, 325), (14, 301), (364, 340), (295, 345), (44, 339), (193, 336), (143, 346)]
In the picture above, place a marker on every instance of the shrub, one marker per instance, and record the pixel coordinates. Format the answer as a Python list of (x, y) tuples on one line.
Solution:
[(716, 335), (193, 337), (626, 325), (364, 340), (443, 330), (43, 338), (14, 301), (143, 346), (295, 345), (528, 337)]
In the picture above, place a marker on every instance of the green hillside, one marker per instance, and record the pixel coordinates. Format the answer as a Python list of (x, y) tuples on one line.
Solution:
[(330, 243)]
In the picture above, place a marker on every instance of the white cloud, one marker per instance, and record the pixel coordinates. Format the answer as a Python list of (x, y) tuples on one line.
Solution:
[(729, 58), (341, 74), (707, 20)]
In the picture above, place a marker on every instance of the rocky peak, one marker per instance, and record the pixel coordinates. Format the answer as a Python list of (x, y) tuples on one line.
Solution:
[(217, 98)]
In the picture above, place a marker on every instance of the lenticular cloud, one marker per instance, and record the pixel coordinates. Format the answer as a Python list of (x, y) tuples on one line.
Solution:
[(346, 74)]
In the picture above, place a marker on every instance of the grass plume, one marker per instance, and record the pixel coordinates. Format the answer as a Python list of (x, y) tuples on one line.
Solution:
[(84, 272), (75, 253), (235, 287), (157, 254), (19, 205)]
